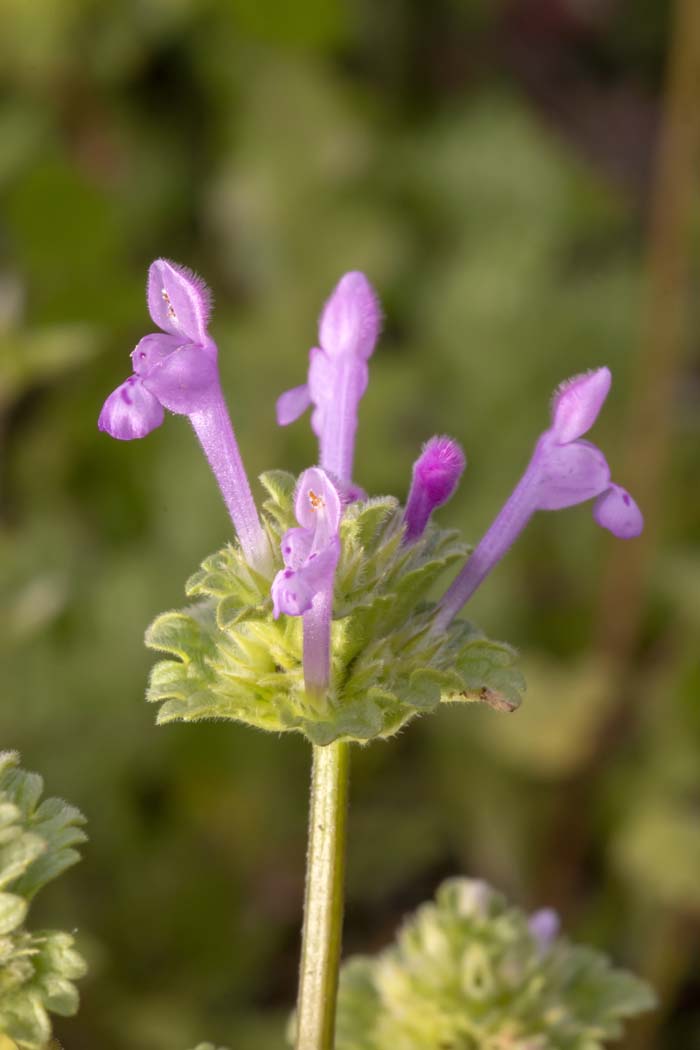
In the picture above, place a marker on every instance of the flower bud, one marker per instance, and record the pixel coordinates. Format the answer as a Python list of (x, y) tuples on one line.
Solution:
[(436, 474)]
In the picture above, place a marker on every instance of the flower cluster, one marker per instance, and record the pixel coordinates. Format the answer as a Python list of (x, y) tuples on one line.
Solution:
[(471, 970), (374, 649)]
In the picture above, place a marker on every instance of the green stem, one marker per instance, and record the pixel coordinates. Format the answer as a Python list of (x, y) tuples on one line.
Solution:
[(323, 905)]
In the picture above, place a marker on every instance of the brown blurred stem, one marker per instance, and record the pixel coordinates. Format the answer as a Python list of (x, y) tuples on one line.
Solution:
[(659, 361), (625, 580)]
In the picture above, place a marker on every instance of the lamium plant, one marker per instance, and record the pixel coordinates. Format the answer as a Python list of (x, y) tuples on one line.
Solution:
[(323, 616)]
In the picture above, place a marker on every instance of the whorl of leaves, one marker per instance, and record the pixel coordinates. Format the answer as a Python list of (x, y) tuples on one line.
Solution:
[(467, 971), (228, 658), (37, 968)]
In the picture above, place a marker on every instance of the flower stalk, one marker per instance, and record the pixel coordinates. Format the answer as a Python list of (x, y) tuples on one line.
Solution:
[(323, 903)]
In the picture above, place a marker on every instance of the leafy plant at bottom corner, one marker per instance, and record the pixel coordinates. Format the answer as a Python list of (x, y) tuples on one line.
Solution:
[(209, 1046), (37, 968), (227, 657), (469, 970)]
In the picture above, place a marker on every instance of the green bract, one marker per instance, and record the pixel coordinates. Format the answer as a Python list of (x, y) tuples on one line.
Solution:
[(228, 658), (37, 969), (467, 972)]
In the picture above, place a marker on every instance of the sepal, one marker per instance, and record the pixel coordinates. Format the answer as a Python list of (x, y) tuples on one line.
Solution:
[(227, 657)]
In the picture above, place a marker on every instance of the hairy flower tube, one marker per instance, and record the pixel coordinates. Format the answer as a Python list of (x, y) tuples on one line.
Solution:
[(563, 471), (176, 369), (338, 373)]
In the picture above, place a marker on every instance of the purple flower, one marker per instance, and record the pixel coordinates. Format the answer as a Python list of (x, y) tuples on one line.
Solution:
[(176, 369), (563, 471), (305, 586), (436, 474), (310, 552), (337, 377), (544, 927)]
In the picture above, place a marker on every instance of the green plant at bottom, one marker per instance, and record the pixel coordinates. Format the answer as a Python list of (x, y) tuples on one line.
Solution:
[(37, 968), (471, 972)]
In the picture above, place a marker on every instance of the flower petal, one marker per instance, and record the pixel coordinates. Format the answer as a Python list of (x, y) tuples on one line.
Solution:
[(616, 511), (296, 547), (577, 402), (292, 404), (179, 302), (130, 411), (291, 594), (570, 474), (439, 468), (317, 503), (185, 380), (351, 318), (150, 351)]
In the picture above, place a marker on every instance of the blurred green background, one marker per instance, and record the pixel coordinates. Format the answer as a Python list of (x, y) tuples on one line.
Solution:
[(492, 166)]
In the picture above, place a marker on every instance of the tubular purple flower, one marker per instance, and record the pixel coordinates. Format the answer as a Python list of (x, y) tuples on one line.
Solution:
[(563, 471), (176, 369), (305, 586), (337, 378), (436, 474)]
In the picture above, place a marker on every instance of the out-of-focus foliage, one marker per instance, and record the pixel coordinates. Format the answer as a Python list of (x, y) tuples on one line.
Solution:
[(37, 968), (486, 165), (468, 971)]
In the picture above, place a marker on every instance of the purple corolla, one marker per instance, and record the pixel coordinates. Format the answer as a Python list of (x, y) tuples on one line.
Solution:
[(563, 471), (304, 587), (176, 369), (436, 474), (338, 372)]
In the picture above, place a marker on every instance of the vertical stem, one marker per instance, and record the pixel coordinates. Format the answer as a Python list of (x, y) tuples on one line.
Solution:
[(323, 905)]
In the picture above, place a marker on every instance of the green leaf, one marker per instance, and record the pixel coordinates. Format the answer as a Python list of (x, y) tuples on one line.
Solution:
[(13, 910), (37, 843), (228, 658)]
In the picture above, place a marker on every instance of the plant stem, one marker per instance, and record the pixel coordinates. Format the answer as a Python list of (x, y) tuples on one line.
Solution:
[(323, 905)]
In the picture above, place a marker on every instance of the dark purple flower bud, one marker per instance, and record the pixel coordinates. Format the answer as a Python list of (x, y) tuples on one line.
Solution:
[(616, 511), (130, 411), (436, 474)]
